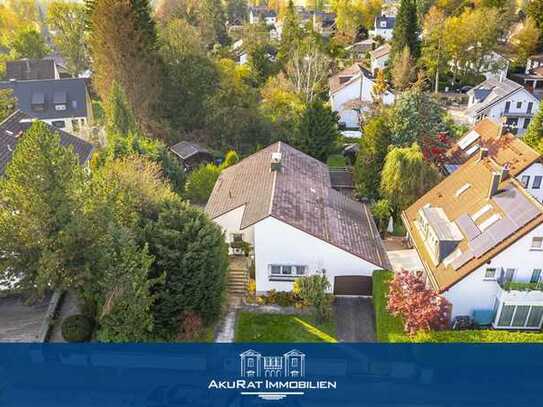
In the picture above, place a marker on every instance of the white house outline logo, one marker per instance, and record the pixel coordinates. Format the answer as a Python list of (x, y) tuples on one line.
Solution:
[(290, 365)]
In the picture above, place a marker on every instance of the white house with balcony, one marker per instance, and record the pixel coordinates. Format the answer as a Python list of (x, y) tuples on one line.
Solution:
[(281, 202), (383, 27), (479, 235), (502, 100), (351, 94)]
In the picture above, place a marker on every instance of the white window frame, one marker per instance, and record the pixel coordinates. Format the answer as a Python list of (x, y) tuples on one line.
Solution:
[(517, 305), (282, 276), (535, 246), (493, 278)]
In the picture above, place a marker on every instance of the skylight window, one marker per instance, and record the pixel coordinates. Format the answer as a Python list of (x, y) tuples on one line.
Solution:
[(472, 150), (463, 189), (490, 221), (481, 212)]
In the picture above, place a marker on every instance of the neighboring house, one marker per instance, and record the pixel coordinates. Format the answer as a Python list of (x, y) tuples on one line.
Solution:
[(492, 139), (502, 100), (31, 69), (379, 58), (360, 49), (191, 155), (351, 93), (493, 66), (13, 128), (479, 235), (63, 103), (383, 27), (532, 79), (281, 201), (262, 14)]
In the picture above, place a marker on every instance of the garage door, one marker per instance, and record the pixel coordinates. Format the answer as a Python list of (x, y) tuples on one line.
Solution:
[(352, 285)]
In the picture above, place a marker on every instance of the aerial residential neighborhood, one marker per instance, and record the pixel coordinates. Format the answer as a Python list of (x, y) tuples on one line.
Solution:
[(271, 171)]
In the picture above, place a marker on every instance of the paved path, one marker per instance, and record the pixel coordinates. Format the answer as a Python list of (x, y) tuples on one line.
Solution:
[(405, 260), (227, 327), (354, 319)]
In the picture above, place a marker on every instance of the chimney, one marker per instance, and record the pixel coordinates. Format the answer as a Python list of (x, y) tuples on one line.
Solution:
[(483, 153), (505, 172), (494, 184), (276, 161)]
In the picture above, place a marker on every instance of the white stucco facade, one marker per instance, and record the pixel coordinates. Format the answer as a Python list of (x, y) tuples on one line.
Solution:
[(277, 243), (359, 89), (478, 293), (517, 108), (532, 178)]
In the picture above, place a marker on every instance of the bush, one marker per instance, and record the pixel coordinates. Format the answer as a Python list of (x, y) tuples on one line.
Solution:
[(77, 328), (200, 183), (281, 298), (190, 327), (313, 291)]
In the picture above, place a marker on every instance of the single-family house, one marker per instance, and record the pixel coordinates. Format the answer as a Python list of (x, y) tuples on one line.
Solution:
[(282, 203), (379, 58), (532, 78), (351, 94), (383, 27), (502, 100), (479, 235), (191, 155), (491, 65), (62, 103), (262, 14), (13, 128), (31, 69), (494, 139)]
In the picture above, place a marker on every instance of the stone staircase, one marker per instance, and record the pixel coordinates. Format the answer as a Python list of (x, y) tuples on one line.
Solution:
[(238, 277)]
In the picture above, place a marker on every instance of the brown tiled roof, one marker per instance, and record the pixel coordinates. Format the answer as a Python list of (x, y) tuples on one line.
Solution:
[(301, 195), (14, 127), (380, 51), (460, 205), (503, 148), (335, 82)]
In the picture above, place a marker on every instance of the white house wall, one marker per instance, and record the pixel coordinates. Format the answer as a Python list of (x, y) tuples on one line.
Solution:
[(532, 171), (230, 223), (347, 116), (281, 244), (475, 293)]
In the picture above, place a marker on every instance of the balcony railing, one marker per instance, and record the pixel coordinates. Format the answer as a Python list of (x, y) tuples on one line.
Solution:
[(520, 286)]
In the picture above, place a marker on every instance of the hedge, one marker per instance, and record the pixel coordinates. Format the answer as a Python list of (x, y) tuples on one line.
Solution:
[(390, 328), (77, 328)]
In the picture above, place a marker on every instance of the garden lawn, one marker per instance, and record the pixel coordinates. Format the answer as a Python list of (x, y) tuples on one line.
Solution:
[(255, 327), (390, 328)]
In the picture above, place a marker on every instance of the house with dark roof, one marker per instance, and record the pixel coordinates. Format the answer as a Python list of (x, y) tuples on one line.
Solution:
[(532, 78), (31, 69), (62, 103), (351, 93), (383, 27), (479, 235), (262, 14), (502, 100), (282, 203), (12, 130), (492, 139)]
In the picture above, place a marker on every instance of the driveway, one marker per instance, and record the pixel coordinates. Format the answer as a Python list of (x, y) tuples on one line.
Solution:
[(355, 321), (405, 260)]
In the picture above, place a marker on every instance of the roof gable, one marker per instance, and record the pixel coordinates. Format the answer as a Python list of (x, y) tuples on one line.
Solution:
[(301, 195)]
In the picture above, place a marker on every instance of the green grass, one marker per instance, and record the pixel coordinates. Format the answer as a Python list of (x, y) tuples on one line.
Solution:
[(254, 327), (336, 161), (390, 328)]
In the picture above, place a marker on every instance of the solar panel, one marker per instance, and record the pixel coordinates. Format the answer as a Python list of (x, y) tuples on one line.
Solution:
[(481, 244), (468, 227), (462, 259), (516, 206), (502, 229)]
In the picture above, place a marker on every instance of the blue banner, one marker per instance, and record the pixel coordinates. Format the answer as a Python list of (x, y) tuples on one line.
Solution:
[(270, 375)]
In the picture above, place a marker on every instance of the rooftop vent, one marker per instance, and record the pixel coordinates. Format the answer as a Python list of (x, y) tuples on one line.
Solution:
[(483, 153), (505, 172), (276, 161)]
